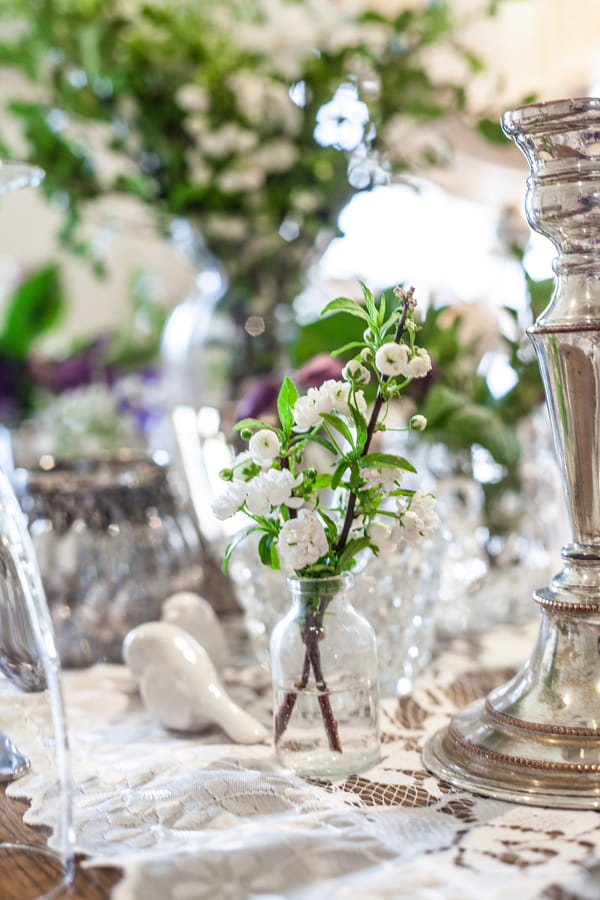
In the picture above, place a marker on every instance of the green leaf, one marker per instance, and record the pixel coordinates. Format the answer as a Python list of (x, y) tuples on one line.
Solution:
[(275, 564), (235, 541), (322, 481), (34, 308), (330, 526), (369, 301), (388, 460), (344, 304), (265, 549), (288, 394), (339, 425), (323, 441), (339, 471), (351, 346), (252, 423), (361, 427), (382, 311), (350, 550)]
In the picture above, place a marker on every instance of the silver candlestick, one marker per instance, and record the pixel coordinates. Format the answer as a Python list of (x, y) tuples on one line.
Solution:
[(536, 739)]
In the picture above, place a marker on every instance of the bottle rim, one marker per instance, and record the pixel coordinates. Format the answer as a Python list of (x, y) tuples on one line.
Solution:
[(324, 584)]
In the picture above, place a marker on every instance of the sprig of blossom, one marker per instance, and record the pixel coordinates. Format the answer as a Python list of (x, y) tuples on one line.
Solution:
[(315, 523)]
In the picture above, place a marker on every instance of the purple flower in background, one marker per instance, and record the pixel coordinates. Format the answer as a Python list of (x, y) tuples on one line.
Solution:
[(140, 397), (259, 399), (262, 396), (14, 387), (84, 367), (317, 370)]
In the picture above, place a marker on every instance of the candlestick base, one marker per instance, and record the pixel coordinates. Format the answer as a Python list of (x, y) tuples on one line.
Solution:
[(535, 739), (463, 755)]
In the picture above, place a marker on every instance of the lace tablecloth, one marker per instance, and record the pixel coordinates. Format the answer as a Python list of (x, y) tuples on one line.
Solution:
[(196, 817)]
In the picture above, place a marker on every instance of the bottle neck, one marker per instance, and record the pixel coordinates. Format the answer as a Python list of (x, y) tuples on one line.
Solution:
[(314, 596)]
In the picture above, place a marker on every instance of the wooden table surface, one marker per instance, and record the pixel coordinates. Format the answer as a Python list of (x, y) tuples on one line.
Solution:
[(19, 877)]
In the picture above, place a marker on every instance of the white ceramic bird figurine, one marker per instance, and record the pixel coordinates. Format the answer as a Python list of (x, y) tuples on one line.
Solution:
[(180, 685), (196, 616)]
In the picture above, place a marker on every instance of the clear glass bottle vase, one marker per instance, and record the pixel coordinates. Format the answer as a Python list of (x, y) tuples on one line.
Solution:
[(325, 682)]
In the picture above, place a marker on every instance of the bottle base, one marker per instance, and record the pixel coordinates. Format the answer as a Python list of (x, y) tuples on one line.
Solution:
[(324, 763)]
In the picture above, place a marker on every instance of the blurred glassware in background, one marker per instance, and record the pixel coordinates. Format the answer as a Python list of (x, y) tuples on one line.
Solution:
[(30, 690), (399, 594), (196, 348), (199, 342), (113, 543), (500, 545)]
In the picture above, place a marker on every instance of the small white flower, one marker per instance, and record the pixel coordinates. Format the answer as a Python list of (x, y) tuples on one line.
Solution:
[(302, 541), (264, 447), (278, 485), (382, 536), (338, 395), (230, 501), (418, 423), (420, 519), (392, 359), (383, 477), (257, 502), (307, 410), (272, 488), (355, 372), (420, 364)]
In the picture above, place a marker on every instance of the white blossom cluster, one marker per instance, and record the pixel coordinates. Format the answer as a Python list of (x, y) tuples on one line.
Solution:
[(327, 514), (302, 541), (260, 495), (396, 359), (332, 396), (418, 516), (415, 518)]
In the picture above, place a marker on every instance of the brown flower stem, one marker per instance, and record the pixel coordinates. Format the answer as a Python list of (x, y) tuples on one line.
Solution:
[(379, 400), (312, 659), (284, 713), (288, 703), (329, 720)]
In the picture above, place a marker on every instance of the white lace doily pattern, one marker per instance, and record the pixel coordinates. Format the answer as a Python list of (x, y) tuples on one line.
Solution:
[(193, 817)]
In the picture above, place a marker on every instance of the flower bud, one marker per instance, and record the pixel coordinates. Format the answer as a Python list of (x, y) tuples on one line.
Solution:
[(355, 372), (246, 434), (366, 354), (418, 423), (226, 474)]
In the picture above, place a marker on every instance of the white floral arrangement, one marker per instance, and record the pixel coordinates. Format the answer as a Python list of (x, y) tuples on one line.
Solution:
[(314, 522)]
